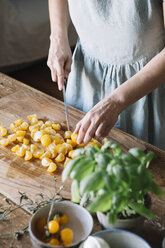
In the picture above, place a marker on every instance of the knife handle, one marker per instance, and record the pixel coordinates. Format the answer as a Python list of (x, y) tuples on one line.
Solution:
[(65, 83)]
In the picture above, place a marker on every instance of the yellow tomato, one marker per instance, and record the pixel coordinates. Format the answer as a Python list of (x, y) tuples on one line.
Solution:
[(64, 219), (66, 236), (53, 226)]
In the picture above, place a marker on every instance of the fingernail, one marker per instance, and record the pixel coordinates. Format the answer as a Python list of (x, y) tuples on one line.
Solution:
[(78, 141), (53, 79)]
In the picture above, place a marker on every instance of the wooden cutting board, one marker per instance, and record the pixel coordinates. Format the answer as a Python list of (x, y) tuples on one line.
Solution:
[(17, 101)]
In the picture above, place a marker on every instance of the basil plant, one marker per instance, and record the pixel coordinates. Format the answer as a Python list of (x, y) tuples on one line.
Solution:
[(108, 180)]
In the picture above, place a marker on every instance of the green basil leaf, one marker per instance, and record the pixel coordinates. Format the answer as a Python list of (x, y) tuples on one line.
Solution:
[(84, 199), (102, 159), (90, 151), (121, 174), (112, 163), (145, 176), (110, 182), (116, 149), (147, 159), (92, 182), (112, 217), (107, 145), (78, 152), (83, 168), (70, 166), (154, 188), (75, 192), (137, 153), (101, 203), (129, 159), (142, 210), (119, 201)]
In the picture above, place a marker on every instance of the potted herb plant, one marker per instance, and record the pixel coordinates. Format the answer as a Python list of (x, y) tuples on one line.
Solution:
[(113, 184)]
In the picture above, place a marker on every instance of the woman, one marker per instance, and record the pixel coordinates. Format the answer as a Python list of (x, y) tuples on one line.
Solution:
[(118, 71)]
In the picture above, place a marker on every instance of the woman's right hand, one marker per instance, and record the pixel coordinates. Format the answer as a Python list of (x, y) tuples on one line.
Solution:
[(59, 59)]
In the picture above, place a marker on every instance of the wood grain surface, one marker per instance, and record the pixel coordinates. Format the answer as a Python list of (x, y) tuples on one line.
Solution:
[(14, 222), (17, 101)]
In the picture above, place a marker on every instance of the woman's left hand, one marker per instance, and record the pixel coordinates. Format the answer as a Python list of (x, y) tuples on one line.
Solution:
[(99, 120)]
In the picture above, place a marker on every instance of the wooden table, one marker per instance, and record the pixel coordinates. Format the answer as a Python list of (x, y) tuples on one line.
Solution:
[(17, 101)]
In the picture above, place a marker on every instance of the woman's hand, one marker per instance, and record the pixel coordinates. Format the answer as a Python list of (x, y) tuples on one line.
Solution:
[(99, 120), (59, 59)]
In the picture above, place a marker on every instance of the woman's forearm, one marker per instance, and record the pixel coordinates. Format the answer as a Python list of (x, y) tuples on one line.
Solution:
[(142, 83), (59, 18)]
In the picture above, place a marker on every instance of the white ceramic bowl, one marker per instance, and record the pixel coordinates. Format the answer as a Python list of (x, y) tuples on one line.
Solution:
[(80, 221), (132, 224), (163, 243), (118, 238)]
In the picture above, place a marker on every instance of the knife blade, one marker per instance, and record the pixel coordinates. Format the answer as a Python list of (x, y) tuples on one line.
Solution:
[(66, 108)]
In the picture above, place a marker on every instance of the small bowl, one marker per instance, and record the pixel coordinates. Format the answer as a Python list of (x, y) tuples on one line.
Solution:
[(132, 224), (163, 243), (120, 238), (80, 221)]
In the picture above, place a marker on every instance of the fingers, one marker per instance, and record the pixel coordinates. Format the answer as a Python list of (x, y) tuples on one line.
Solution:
[(90, 133), (86, 129), (57, 72), (63, 69), (82, 131), (106, 131), (60, 66), (97, 121), (77, 127), (102, 130), (53, 75), (60, 73), (53, 71), (67, 67), (89, 130)]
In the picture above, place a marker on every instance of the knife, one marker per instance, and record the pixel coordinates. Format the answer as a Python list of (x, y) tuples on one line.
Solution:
[(66, 109)]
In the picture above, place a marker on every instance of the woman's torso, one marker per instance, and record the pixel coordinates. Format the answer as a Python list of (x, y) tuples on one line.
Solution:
[(119, 31), (117, 39)]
